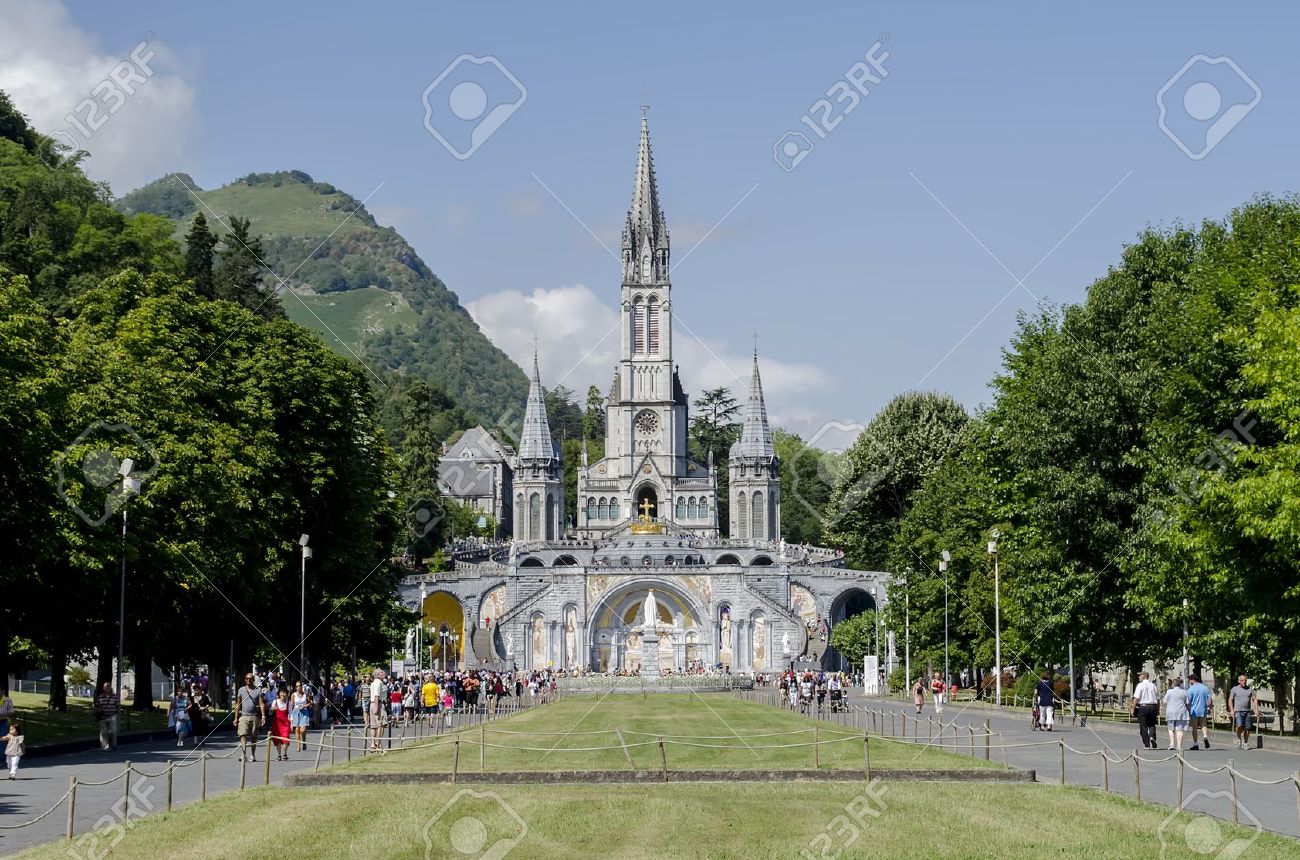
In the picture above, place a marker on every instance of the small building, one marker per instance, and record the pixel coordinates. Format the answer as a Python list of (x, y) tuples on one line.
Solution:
[(477, 470)]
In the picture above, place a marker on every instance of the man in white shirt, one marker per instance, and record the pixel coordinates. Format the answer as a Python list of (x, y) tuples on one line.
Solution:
[(1146, 707), (378, 696)]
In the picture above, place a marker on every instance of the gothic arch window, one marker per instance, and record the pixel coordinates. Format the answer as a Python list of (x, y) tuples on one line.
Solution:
[(550, 517), (742, 515), (601, 508), (681, 508), (692, 508), (704, 508), (652, 325), (534, 517), (591, 508), (638, 325), (519, 518), (756, 517)]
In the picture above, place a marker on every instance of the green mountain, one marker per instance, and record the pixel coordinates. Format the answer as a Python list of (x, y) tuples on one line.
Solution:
[(359, 284)]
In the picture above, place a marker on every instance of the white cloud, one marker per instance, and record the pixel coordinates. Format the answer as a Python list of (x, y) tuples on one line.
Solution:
[(49, 66), (579, 341), (526, 205)]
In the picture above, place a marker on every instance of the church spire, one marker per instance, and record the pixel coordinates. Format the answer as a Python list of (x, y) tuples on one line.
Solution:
[(755, 434), (535, 443), (645, 236)]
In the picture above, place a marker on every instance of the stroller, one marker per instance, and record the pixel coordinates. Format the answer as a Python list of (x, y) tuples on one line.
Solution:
[(1035, 718)]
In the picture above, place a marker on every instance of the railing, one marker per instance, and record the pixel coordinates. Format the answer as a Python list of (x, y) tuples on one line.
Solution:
[(731, 682)]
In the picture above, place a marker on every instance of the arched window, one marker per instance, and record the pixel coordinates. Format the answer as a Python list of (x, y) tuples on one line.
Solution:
[(591, 508), (638, 326), (534, 517), (519, 514), (681, 508), (756, 518), (704, 508), (601, 508), (550, 517), (692, 508), (742, 516), (652, 325)]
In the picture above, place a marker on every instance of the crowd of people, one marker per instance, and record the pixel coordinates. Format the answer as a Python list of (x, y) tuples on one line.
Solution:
[(802, 691)]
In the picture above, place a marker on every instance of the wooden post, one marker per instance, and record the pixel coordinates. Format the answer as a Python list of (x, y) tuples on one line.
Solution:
[(332, 746), (1295, 779), (1002, 742), (988, 739), (816, 757), (1105, 771), (1061, 747), (267, 779), (320, 750), (866, 756), (203, 776), (243, 771), (170, 766), (1137, 776), (482, 741), (663, 758), (627, 754), (1232, 782), (970, 729), (1180, 780), (126, 793), (349, 733), (72, 803), (455, 759)]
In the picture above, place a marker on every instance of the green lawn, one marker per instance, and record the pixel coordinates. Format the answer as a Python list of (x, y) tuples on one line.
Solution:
[(701, 731), (936, 821), (41, 725)]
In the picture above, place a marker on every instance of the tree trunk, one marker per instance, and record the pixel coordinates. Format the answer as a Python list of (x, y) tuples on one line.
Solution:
[(142, 695), (58, 686)]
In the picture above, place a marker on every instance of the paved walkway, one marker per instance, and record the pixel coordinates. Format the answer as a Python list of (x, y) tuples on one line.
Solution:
[(1273, 807), (43, 780)]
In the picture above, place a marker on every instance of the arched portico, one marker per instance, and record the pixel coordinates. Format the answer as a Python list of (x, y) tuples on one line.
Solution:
[(615, 630)]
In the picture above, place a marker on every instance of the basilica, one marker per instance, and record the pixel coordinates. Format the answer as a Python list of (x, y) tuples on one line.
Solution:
[(646, 579)]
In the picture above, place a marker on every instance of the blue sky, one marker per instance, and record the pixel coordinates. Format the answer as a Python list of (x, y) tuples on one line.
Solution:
[(1032, 125)]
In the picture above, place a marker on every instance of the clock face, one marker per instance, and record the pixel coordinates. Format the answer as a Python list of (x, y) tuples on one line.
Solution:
[(647, 422)]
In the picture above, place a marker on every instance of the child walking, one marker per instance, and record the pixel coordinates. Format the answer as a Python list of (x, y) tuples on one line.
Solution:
[(15, 746)]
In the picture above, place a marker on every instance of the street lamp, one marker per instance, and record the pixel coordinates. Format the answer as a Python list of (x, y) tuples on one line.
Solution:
[(907, 628), (419, 632), (130, 487), (302, 609), (997, 614), (944, 558)]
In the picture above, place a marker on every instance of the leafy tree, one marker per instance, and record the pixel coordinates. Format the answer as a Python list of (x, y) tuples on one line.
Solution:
[(200, 245), (803, 488), (593, 420), (238, 274), (884, 467), (855, 637), (714, 428)]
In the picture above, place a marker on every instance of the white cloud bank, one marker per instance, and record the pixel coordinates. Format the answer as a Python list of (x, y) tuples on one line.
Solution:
[(578, 345), (49, 67)]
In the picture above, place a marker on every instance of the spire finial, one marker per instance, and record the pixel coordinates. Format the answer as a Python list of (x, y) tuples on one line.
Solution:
[(756, 343), (645, 109)]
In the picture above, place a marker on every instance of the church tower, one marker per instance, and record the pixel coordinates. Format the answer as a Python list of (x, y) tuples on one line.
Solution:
[(646, 470), (539, 476), (755, 473)]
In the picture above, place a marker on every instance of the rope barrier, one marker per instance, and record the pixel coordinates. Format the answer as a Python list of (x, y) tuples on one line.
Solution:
[(81, 782), (44, 814)]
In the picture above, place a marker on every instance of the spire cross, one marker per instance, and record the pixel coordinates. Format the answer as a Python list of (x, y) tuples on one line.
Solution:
[(755, 343), (645, 109)]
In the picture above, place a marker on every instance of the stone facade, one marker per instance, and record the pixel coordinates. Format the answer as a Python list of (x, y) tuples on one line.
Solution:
[(646, 540)]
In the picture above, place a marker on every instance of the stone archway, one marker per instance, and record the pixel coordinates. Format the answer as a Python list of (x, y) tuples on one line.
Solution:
[(444, 620), (848, 603), (615, 631)]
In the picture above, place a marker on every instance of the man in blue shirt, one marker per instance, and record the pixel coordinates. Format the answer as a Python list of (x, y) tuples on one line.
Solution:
[(1198, 706)]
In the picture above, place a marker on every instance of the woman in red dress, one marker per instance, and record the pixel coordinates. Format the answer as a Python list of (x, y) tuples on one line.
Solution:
[(280, 724)]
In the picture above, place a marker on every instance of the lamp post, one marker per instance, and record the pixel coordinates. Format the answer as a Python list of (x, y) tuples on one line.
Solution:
[(130, 487), (302, 609), (419, 632), (944, 558), (907, 628), (997, 615), (1187, 657)]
